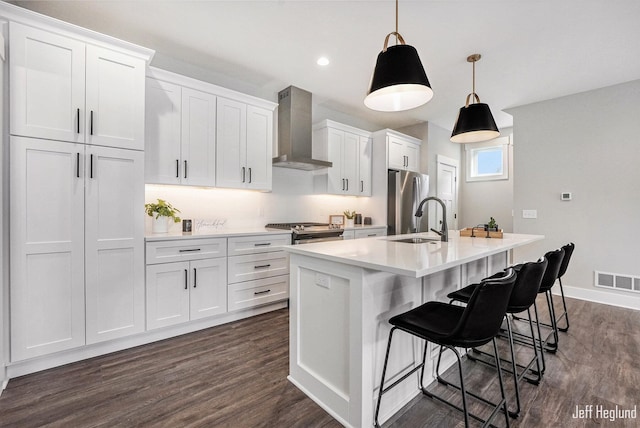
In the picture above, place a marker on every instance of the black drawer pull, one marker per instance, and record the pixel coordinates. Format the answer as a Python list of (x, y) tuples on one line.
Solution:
[(186, 279), (372, 234), (262, 266), (255, 293), (190, 250), (195, 273), (77, 121), (262, 244)]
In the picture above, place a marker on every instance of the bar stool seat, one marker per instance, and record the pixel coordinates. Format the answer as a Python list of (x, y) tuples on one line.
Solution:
[(452, 326)]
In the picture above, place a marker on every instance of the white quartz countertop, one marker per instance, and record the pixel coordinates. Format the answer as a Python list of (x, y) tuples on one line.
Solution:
[(221, 233), (228, 232), (414, 260)]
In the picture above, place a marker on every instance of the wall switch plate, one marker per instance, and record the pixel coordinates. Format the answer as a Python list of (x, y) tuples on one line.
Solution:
[(323, 280), (529, 213)]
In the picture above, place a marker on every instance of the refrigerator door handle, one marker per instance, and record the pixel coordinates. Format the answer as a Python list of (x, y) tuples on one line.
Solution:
[(417, 191)]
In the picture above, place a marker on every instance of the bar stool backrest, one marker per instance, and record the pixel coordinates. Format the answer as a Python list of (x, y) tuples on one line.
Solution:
[(568, 251), (551, 274), (483, 315), (527, 285)]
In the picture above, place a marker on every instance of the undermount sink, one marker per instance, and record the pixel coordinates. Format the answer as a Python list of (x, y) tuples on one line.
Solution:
[(417, 240)]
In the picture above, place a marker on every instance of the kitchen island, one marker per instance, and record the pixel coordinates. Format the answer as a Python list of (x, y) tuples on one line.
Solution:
[(344, 292)]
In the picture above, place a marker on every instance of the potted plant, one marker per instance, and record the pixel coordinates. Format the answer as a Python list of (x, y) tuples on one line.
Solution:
[(492, 226), (350, 216), (161, 212)]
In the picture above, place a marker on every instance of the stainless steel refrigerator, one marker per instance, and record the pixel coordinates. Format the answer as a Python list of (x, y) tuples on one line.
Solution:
[(405, 191)]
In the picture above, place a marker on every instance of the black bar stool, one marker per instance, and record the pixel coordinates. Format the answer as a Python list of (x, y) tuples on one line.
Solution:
[(523, 296), (453, 326), (554, 258)]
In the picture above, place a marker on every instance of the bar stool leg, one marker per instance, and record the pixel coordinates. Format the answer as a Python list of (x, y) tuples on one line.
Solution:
[(504, 398), (544, 364), (515, 413), (535, 351), (552, 347), (565, 315), (384, 371)]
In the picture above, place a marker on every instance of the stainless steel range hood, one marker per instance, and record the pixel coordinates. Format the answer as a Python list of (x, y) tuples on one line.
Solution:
[(294, 131)]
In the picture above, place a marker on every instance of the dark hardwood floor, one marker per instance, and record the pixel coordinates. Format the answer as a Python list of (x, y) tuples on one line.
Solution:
[(235, 376)]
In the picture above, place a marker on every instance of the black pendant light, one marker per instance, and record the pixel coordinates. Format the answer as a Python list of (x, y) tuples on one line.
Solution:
[(475, 122), (399, 81)]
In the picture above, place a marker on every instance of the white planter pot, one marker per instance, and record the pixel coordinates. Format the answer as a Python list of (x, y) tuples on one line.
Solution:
[(349, 222), (160, 224)]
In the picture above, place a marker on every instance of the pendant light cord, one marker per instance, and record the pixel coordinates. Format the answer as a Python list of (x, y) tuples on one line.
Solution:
[(397, 22), (474, 78)]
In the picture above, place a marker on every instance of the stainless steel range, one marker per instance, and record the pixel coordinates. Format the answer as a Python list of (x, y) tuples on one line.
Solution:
[(306, 232)]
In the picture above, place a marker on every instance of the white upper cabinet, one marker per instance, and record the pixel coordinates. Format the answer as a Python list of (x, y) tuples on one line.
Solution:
[(64, 89), (349, 149), (403, 151), (198, 148), (180, 135), (244, 145), (114, 99), (162, 132), (47, 79)]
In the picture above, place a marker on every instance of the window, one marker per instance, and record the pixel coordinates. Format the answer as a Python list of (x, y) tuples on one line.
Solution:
[(488, 160)]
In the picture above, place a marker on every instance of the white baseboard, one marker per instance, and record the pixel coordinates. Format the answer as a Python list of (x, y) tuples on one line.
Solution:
[(626, 300)]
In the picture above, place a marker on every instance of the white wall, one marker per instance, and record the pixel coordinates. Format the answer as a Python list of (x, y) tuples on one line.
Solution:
[(4, 225), (485, 199), (292, 199), (587, 144)]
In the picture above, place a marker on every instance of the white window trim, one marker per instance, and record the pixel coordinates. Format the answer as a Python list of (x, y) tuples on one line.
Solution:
[(502, 142)]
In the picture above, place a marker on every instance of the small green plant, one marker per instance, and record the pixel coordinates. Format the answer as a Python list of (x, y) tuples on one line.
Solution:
[(350, 214), (162, 209), (492, 223)]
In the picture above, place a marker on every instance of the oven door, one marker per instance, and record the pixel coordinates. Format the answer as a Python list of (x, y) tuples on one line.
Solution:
[(306, 238)]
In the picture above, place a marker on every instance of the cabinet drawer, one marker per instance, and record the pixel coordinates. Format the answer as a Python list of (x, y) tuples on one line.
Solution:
[(185, 249), (257, 266), (368, 233), (256, 244), (254, 293)]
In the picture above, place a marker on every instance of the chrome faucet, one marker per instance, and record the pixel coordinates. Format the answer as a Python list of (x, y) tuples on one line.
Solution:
[(444, 231)]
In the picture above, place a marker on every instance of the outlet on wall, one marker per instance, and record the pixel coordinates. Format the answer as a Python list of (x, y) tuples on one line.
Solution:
[(529, 213), (323, 280)]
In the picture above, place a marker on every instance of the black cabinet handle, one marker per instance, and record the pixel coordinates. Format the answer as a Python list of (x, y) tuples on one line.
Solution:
[(91, 166), (361, 186), (195, 272), (189, 250), (78, 164), (185, 169), (177, 168), (249, 175), (255, 293), (262, 244), (77, 121), (347, 189), (262, 266), (91, 123), (186, 279), (243, 174), (343, 184)]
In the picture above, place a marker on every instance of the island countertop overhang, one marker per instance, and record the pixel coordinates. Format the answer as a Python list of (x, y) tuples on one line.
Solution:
[(408, 259)]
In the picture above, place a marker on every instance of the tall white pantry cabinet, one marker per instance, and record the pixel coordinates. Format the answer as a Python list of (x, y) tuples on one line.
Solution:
[(76, 190)]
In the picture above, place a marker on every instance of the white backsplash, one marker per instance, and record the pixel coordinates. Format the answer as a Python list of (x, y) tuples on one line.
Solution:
[(292, 199)]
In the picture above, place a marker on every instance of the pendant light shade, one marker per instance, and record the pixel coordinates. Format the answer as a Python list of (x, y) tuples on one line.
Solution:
[(475, 122), (399, 81)]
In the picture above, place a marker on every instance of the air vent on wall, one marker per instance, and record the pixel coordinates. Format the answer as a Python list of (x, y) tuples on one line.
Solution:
[(617, 281)]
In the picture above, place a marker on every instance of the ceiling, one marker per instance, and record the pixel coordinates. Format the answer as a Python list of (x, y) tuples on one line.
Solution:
[(532, 50)]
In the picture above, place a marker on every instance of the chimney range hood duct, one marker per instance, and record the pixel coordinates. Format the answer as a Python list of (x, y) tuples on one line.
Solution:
[(294, 131)]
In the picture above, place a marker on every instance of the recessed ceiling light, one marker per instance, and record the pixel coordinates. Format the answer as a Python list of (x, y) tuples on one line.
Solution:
[(323, 60)]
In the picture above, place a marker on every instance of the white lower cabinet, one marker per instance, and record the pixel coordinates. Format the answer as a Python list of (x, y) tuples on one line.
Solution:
[(187, 290), (76, 236), (258, 270)]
